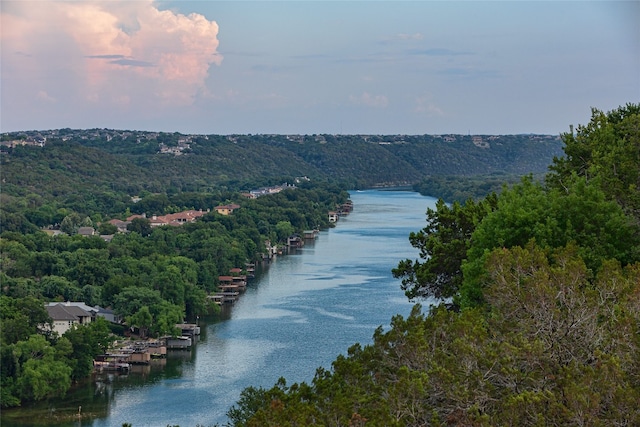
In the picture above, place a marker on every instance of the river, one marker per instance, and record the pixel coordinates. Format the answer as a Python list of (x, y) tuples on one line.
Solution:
[(299, 314)]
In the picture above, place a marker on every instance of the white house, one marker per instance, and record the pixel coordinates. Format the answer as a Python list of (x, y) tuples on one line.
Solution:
[(65, 316)]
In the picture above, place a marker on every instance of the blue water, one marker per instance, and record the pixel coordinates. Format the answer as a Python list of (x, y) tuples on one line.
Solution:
[(306, 309)]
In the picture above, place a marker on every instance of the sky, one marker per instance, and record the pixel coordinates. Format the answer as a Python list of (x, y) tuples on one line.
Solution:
[(316, 67)]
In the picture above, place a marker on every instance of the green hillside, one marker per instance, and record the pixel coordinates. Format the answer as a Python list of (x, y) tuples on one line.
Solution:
[(68, 162)]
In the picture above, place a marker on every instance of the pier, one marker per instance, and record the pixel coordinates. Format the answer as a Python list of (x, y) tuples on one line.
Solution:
[(230, 287)]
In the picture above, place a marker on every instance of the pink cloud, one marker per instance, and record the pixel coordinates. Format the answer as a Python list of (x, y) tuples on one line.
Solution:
[(107, 52)]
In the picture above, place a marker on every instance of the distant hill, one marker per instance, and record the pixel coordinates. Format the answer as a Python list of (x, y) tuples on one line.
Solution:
[(156, 158), (59, 161)]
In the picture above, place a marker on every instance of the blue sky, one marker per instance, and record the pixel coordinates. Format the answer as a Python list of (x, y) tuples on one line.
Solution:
[(306, 67)]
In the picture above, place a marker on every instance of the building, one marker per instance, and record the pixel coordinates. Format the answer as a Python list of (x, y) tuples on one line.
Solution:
[(66, 316), (226, 209), (70, 313)]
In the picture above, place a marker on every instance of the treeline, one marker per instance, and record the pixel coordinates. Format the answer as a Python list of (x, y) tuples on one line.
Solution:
[(100, 167), (539, 315), (462, 188), (151, 277)]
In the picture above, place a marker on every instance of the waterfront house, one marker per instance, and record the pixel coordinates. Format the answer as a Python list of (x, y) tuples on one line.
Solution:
[(66, 316), (310, 234)]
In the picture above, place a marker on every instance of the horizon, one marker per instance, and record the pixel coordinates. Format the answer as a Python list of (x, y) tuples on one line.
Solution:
[(316, 67), (271, 134)]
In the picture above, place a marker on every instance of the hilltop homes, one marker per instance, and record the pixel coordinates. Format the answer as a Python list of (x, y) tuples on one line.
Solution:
[(226, 209), (174, 219), (265, 191)]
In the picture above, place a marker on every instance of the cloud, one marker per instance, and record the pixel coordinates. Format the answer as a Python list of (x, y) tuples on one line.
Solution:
[(415, 36), (425, 106), (366, 99), (44, 96), (437, 52), (116, 52), (470, 73), (132, 62)]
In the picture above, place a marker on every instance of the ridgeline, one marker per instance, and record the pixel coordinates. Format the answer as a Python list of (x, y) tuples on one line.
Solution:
[(70, 164)]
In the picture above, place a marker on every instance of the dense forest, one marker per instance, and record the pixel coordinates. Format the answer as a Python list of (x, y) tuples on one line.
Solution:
[(460, 188), (95, 170), (539, 315)]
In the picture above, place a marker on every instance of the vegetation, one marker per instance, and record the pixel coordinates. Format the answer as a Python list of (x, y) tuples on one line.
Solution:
[(459, 188), (98, 170), (540, 321), (36, 364), (152, 277)]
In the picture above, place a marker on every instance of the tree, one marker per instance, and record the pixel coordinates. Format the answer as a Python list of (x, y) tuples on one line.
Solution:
[(21, 318), (107, 228), (73, 221), (553, 219), (284, 229), (142, 319), (40, 375), (87, 342), (606, 152), (443, 246), (141, 226)]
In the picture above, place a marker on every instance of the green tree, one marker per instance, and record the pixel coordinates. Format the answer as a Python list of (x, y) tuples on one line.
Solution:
[(606, 152), (443, 246), (21, 318), (142, 319), (40, 375), (87, 342), (107, 228), (553, 219), (73, 221), (141, 226), (132, 299), (284, 229)]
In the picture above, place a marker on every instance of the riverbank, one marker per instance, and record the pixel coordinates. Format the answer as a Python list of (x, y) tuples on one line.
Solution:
[(301, 311)]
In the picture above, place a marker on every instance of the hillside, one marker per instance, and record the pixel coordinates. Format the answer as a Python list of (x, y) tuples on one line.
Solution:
[(64, 162)]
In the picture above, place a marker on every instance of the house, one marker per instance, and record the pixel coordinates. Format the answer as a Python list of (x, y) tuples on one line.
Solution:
[(95, 312), (66, 316), (86, 231), (226, 209), (107, 314), (310, 234), (333, 216), (132, 217), (295, 241), (175, 219), (120, 225)]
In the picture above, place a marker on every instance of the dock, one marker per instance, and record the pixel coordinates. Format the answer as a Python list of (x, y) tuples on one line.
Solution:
[(230, 287), (188, 329), (179, 343)]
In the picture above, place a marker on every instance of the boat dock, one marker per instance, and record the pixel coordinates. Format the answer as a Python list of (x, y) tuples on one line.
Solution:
[(230, 287)]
